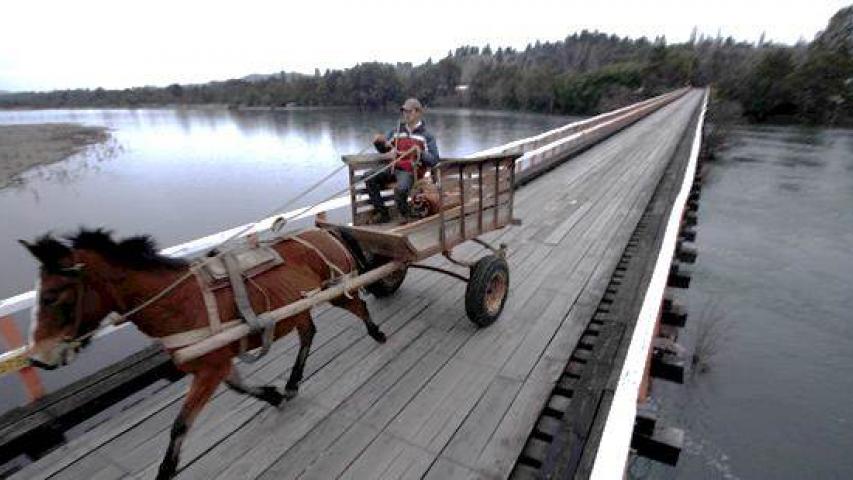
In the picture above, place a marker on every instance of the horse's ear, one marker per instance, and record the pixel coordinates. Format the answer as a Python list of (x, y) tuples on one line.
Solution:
[(29, 246), (51, 253)]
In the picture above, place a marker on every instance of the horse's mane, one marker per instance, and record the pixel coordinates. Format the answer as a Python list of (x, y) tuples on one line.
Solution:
[(138, 252)]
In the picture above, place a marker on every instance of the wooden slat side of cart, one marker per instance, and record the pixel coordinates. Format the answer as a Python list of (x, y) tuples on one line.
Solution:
[(475, 197)]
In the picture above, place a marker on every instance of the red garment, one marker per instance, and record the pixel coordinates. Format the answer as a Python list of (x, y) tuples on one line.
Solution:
[(404, 142)]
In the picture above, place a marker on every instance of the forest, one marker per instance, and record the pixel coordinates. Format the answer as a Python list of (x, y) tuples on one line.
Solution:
[(585, 73)]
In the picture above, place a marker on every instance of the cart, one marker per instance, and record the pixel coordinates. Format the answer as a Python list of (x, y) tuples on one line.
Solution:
[(470, 197)]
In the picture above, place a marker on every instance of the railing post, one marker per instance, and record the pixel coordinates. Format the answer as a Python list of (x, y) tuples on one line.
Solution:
[(480, 205), (461, 202), (29, 375), (511, 166), (441, 234), (497, 190)]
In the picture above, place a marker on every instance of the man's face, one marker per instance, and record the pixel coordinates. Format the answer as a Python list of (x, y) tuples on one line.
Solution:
[(410, 114)]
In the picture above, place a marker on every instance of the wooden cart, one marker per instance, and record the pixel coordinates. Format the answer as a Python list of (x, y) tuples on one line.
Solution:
[(474, 196)]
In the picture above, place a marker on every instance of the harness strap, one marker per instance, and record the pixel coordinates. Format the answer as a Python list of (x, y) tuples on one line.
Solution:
[(333, 269), (241, 298), (209, 301), (215, 325)]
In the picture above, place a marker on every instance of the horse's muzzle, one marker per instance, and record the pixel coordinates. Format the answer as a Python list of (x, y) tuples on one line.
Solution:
[(38, 363)]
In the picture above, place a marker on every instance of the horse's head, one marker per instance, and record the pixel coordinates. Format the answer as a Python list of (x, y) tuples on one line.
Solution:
[(68, 306)]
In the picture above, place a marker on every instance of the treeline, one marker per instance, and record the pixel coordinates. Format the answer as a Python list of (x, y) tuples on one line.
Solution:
[(585, 73)]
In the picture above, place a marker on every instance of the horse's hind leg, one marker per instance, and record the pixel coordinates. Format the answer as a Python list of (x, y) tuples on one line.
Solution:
[(204, 384), (267, 393), (305, 327), (357, 306)]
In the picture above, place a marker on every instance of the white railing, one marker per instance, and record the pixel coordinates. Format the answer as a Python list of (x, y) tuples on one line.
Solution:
[(612, 454)]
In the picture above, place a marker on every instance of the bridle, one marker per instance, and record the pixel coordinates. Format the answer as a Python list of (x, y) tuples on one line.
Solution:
[(75, 340)]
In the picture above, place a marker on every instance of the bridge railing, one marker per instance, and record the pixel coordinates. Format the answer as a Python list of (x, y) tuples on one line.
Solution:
[(540, 152), (613, 448)]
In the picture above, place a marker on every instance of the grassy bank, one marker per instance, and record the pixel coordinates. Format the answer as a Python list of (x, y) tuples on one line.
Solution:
[(25, 146)]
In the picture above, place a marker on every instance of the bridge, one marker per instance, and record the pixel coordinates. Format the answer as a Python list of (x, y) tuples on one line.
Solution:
[(551, 389)]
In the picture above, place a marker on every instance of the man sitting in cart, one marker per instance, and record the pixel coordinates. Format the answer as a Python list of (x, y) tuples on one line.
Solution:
[(415, 150)]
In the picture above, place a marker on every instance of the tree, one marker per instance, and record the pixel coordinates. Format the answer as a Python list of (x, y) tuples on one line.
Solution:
[(767, 89)]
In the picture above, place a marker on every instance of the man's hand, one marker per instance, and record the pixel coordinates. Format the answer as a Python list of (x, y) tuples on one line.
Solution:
[(390, 154)]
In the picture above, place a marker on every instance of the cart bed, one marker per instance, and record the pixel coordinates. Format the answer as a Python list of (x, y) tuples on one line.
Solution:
[(475, 197)]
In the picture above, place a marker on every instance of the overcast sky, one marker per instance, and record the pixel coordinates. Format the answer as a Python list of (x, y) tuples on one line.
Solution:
[(116, 44)]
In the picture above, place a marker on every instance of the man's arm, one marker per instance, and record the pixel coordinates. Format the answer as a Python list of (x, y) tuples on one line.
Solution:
[(430, 156)]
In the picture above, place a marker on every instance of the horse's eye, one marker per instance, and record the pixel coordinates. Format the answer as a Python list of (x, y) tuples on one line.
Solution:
[(48, 300), (50, 297)]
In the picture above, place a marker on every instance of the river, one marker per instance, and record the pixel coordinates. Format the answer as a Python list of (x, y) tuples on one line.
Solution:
[(179, 174), (771, 296)]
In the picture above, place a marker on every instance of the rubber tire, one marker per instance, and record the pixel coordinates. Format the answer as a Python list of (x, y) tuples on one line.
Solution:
[(387, 286), (482, 274)]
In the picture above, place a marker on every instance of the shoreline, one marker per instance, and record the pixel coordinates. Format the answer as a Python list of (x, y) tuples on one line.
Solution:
[(25, 146)]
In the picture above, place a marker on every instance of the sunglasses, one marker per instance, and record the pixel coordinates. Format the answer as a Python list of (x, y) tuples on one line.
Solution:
[(408, 110)]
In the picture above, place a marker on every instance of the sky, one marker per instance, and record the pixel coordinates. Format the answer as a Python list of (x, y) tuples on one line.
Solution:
[(47, 45)]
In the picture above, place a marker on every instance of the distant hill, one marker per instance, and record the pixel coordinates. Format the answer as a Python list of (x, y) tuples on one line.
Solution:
[(262, 77), (839, 32)]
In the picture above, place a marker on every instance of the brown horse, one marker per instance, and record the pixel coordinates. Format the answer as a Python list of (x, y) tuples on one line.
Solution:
[(84, 280)]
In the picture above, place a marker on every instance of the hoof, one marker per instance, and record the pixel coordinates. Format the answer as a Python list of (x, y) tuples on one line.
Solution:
[(167, 470), (290, 394), (272, 396), (376, 334)]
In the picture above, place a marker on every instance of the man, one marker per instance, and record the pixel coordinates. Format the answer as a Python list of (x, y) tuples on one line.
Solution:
[(415, 150)]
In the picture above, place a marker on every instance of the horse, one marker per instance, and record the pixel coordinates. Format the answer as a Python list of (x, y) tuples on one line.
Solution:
[(89, 275)]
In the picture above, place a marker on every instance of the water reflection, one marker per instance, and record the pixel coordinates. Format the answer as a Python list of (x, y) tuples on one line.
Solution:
[(68, 171)]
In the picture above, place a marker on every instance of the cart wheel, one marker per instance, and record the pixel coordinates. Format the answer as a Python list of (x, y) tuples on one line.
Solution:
[(487, 290), (386, 286)]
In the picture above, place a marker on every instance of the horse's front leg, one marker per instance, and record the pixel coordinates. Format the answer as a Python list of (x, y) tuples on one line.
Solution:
[(204, 384)]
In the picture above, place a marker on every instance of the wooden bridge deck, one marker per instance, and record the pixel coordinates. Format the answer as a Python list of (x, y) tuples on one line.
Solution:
[(441, 399)]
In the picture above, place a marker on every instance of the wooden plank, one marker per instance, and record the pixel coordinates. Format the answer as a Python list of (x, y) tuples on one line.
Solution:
[(560, 232), (499, 454), (389, 458), (432, 417), (443, 469), (386, 243), (473, 435), (297, 459)]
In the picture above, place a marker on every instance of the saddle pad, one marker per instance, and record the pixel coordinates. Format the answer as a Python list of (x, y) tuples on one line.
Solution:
[(252, 261)]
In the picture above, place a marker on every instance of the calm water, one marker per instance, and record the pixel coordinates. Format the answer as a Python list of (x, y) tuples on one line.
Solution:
[(773, 280), (183, 174)]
